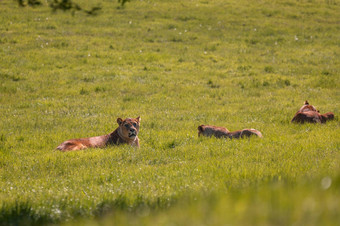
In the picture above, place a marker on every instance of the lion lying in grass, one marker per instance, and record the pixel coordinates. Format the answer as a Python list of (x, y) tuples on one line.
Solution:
[(308, 113), (312, 117), (126, 133), (221, 132)]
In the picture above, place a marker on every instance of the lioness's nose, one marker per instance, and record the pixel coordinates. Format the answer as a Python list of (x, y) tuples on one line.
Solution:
[(132, 130)]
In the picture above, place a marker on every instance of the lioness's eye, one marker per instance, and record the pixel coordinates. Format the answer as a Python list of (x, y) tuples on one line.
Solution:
[(126, 125), (134, 124)]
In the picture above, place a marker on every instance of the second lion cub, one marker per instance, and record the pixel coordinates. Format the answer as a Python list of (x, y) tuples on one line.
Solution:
[(220, 132)]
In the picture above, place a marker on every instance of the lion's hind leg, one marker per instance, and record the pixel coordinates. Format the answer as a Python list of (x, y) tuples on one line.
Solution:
[(250, 132), (71, 146)]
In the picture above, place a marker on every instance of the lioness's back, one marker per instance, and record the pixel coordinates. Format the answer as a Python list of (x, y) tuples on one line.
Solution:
[(209, 131)]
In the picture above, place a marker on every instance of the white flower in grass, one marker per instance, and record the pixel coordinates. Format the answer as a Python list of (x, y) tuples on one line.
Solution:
[(326, 182)]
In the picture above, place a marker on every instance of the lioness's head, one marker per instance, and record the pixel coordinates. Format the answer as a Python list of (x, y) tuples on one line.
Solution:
[(129, 127)]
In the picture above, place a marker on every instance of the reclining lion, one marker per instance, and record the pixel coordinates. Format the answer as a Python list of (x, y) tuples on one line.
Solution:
[(312, 117), (126, 133), (221, 132), (308, 113)]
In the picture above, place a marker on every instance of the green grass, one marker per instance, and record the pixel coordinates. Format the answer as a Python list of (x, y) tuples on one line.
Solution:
[(177, 64)]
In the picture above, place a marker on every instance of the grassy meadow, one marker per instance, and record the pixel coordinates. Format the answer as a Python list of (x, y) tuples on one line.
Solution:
[(177, 64)]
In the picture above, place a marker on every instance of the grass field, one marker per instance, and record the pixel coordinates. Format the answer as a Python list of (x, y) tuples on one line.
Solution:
[(177, 64)]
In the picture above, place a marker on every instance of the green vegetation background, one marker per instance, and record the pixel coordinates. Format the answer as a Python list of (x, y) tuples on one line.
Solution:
[(177, 64)]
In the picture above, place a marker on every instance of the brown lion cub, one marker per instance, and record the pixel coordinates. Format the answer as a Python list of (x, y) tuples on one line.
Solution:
[(221, 132), (126, 133)]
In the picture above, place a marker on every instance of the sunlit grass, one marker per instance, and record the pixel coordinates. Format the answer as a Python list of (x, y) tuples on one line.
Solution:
[(177, 64)]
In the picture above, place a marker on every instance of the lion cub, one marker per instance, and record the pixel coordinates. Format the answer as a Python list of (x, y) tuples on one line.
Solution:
[(221, 132), (126, 133)]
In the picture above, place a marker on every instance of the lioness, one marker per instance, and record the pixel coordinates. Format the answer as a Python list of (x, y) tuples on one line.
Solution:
[(126, 133), (221, 132), (312, 117), (308, 113)]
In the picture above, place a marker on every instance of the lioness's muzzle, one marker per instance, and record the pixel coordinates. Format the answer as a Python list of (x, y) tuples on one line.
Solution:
[(132, 133)]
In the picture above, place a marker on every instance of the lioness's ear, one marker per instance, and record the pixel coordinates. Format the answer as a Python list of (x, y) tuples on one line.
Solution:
[(119, 121), (138, 118)]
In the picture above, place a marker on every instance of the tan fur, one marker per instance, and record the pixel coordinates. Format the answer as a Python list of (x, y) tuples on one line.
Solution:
[(312, 117), (209, 131), (307, 107), (245, 133), (220, 132), (126, 133), (308, 113), (328, 116)]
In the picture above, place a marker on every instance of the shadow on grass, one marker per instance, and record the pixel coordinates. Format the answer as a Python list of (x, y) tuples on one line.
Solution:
[(25, 214), (22, 214)]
